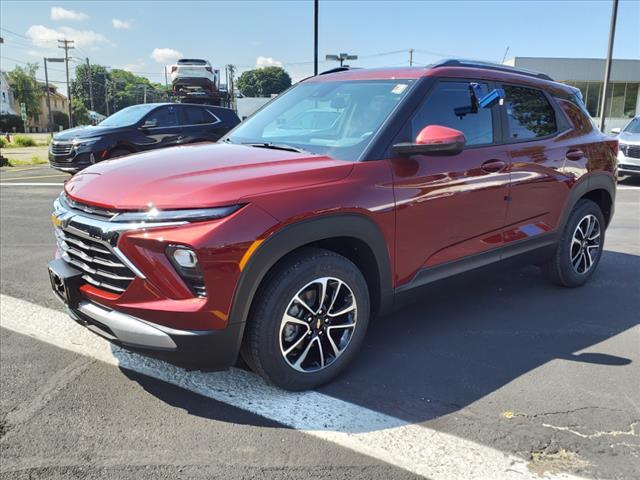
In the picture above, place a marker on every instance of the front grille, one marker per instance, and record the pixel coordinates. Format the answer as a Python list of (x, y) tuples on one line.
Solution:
[(60, 148), (101, 266), (629, 167), (633, 151)]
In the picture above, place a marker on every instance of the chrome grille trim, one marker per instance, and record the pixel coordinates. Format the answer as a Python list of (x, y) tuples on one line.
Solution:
[(61, 148)]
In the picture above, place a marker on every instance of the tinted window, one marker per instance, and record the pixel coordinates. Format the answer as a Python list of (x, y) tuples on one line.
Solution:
[(529, 113), (197, 116), (440, 109), (164, 117)]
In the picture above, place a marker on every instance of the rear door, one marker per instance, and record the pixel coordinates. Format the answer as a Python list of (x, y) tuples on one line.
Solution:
[(200, 123), (540, 162), (450, 207), (167, 130)]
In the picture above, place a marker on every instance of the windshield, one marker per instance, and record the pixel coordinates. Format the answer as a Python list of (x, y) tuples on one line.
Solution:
[(337, 119), (634, 126), (127, 116)]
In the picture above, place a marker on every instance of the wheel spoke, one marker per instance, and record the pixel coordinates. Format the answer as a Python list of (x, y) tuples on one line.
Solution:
[(573, 257), (323, 292), (296, 343), (304, 304), (335, 296), (348, 309), (321, 350), (346, 325), (304, 354), (336, 352), (289, 319), (595, 235)]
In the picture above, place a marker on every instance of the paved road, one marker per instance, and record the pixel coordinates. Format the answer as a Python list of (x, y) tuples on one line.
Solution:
[(504, 362)]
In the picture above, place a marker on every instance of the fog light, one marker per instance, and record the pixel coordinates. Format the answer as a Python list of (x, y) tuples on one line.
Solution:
[(185, 261), (185, 257)]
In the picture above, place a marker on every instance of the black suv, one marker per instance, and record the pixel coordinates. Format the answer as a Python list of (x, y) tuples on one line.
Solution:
[(138, 128)]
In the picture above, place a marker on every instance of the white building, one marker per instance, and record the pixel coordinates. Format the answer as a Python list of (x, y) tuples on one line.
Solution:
[(6, 96), (587, 74)]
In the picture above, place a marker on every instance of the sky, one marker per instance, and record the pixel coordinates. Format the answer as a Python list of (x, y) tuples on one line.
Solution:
[(143, 36)]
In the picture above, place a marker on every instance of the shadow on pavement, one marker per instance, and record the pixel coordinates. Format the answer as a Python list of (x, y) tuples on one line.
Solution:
[(469, 337)]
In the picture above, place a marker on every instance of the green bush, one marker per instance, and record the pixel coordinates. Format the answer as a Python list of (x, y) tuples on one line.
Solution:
[(3, 142), (9, 122), (24, 141)]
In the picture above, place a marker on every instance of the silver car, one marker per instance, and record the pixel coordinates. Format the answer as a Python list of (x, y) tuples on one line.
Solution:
[(629, 149)]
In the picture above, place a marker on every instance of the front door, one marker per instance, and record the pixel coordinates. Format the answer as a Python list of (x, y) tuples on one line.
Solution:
[(166, 130), (450, 207)]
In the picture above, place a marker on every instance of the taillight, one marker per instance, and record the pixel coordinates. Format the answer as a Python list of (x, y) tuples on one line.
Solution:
[(174, 68), (209, 69)]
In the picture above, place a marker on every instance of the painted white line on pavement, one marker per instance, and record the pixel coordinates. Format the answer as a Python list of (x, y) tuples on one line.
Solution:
[(34, 184), (418, 449), (627, 187)]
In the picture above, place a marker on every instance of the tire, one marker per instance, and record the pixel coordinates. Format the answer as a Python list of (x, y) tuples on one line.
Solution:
[(273, 346), (119, 152), (575, 260)]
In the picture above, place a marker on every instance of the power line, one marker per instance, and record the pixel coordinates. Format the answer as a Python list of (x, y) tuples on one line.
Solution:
[(14, 33), (27, 63)]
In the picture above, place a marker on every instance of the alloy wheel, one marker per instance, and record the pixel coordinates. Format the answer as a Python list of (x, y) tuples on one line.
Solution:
[(585, 244), (318, 324)]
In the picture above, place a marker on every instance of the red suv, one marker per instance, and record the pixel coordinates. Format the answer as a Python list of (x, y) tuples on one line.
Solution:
[(326, 207)]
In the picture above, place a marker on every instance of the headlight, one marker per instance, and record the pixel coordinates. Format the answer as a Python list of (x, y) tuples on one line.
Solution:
[(192, 215), (623, 147), (84, 142)]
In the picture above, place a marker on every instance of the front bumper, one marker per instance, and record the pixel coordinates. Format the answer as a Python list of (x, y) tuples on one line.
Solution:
[(210, 349), (72, 162)]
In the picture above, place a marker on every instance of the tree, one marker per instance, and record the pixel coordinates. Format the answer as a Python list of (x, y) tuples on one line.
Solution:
[(80, 86), (80, 112), (60, 119), (26, 89), (264, 82)]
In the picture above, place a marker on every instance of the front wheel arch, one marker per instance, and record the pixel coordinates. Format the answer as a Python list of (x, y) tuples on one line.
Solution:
[(320, 232)]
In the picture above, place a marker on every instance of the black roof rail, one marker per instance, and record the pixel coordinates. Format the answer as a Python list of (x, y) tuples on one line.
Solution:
[(490, 66), (335, 70)]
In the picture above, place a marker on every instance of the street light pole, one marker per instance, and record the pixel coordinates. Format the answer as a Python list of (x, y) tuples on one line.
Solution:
[(315, 37), (607, 68), (67, 45), (341, 57)]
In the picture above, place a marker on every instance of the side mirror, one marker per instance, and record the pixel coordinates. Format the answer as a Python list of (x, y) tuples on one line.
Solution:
[(615, 131), (149, 124), (433, 140)]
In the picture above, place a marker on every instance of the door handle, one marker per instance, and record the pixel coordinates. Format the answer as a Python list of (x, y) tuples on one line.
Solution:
[(575, 155), (493, 166)]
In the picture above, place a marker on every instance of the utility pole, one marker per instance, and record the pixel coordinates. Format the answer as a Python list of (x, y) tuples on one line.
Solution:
[(106, 93), (145, 94), (315, 37), (341, 58), (90, 85), (411, 57), (166, 81), (504, 57), (46, 80), (67, 45), (607, 69), (230, 88)]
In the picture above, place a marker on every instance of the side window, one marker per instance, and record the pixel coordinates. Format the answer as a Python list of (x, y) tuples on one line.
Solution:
[(164, 116), (198, 116), (529, 113), (440, 109)]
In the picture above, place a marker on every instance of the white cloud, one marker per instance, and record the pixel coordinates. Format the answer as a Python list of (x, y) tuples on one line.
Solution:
[(59, 13), (47, 37), (267, 62), (133, 67), (165, 55), (121, 24)]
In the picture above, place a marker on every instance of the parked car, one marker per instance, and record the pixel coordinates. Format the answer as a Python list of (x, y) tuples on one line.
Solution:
[(139, 128), (284, 248), (629, 148), (194, 72)]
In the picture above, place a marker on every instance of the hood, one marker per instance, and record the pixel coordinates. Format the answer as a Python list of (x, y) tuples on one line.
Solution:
[(203, 175), (85, 132), (628, 137)]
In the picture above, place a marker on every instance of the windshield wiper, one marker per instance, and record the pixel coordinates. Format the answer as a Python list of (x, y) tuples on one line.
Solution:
[(276, 146)]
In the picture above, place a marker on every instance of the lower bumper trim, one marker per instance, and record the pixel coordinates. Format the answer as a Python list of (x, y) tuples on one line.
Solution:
[(128, 329)]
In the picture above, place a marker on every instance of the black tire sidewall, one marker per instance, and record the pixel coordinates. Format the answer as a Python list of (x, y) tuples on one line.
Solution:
[(282, 286)]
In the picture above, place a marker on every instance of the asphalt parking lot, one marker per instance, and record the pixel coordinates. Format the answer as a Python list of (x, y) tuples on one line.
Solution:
[(497, 376)]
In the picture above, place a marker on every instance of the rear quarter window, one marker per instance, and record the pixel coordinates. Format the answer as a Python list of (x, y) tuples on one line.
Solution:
[(529, 113)]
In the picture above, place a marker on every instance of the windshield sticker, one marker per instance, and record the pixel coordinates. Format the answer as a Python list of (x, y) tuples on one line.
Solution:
[(399, 88)]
